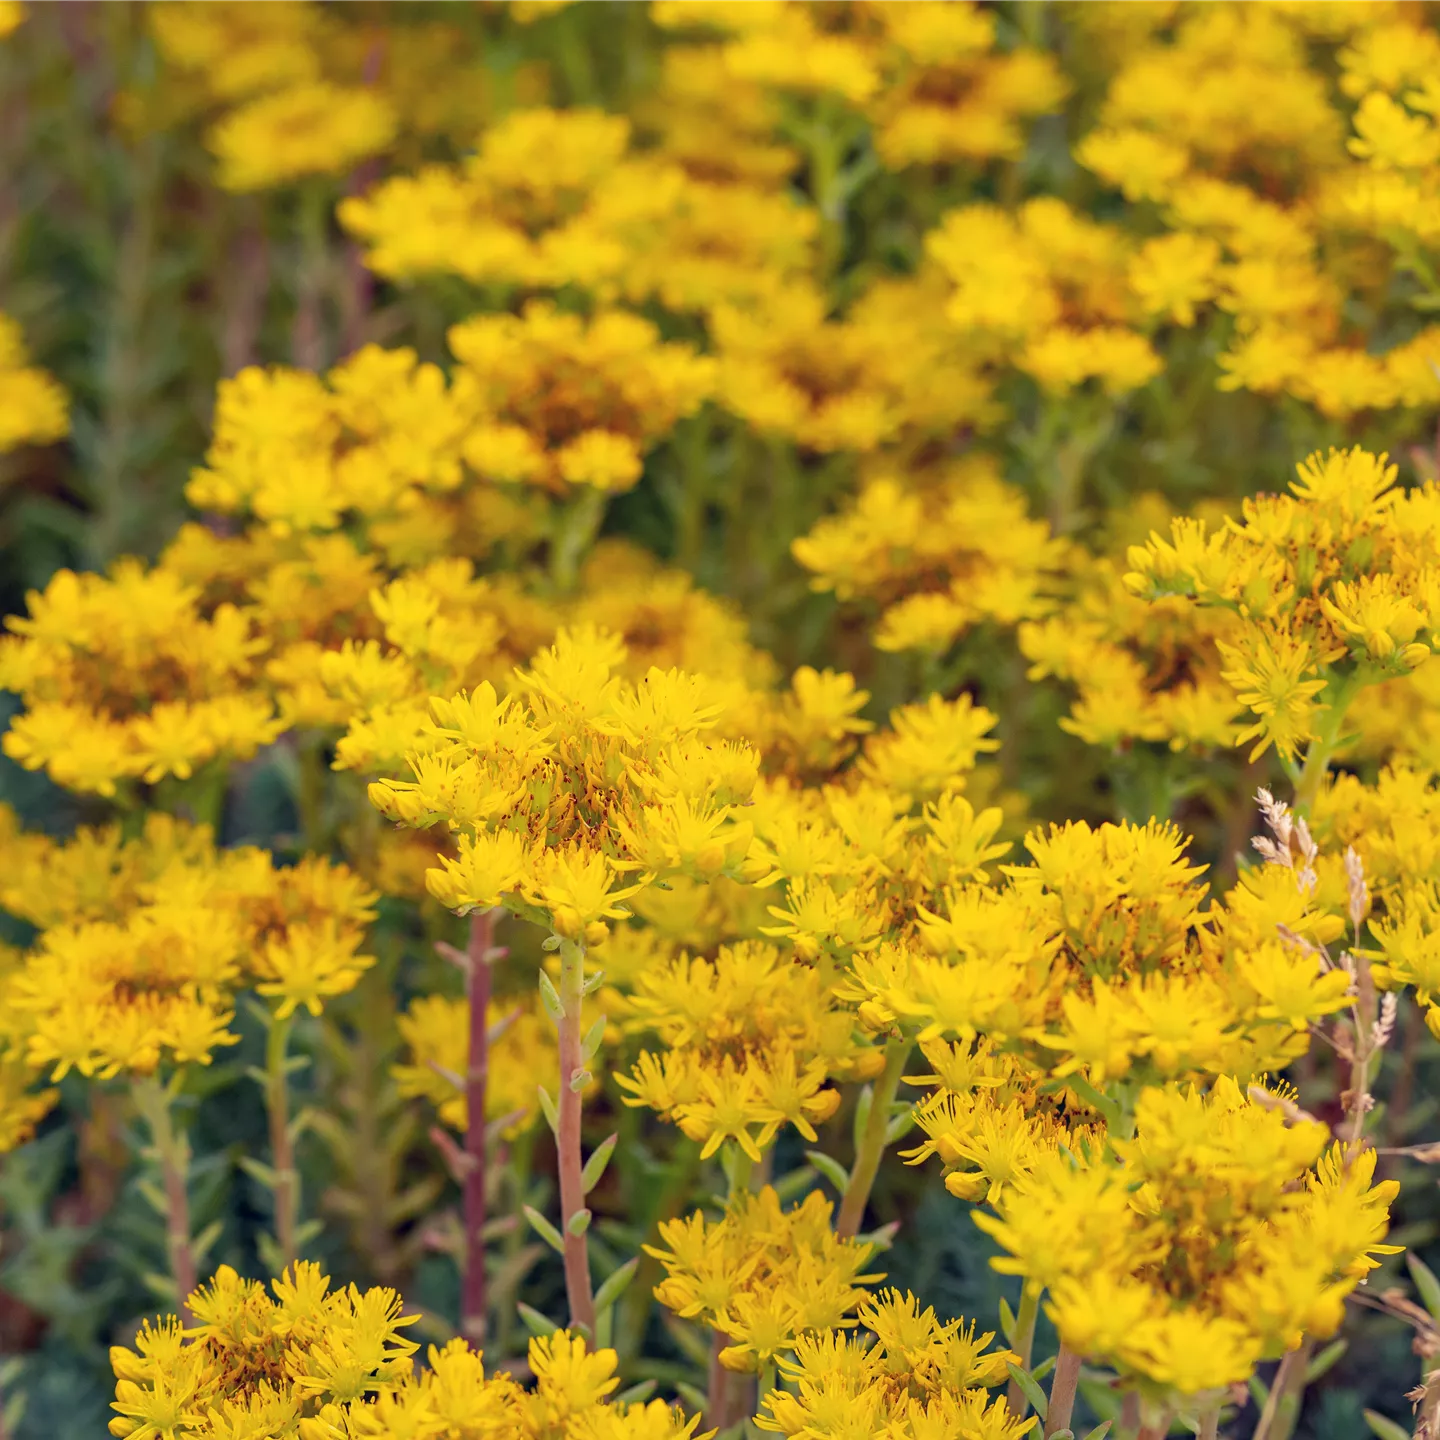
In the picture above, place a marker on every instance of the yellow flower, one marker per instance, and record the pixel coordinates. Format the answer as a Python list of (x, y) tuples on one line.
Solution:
[(311, 128)]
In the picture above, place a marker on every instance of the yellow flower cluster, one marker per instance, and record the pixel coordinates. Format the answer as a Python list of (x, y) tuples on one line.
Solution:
[(1334, 586), (558, 402), (322, 1364), (762, 1276), (935, 560), (1215, 1237), (143, 943), (1100, 960), (752, 1042), (918, 1377), (33, 408), (1259, 203), (126, 678), (571, 783), (283, 119), (792, 284)]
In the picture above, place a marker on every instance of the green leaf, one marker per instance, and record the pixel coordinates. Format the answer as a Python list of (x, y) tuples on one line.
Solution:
[(547, 1105), (1425, 1283), (595, 1165), (1031, 1391), (304, 1119), (830, 1168), (161, 1285), (306, 1231), (154, 1196), (258, 1170), (1259, 1392), (862, 1116), (545, 1230), (535, 1322), (591, 1043), (615, 1285), (579, 1079), (1324, 1360), (1100, 1431), (1385, 1427), (550, 997), (635, 1394), (1007, 1321), (579, 1222), (1100, 1397), (1043, 1368), (201, 1245), (694, 1398), (900, 1125)]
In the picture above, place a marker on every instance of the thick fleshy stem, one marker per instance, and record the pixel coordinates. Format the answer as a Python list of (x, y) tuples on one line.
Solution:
[(1282, 1405), (574, 1218), (1062, 1391), (282, 1141), (872, 1142), (171, 1150), (1321, 749), (477, 1075), (1210, 1422), (717, 1387), (1024, 1344)]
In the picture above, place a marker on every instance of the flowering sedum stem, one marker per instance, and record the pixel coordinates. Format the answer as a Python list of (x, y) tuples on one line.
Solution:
[(1062, 1391), (872, 1142), (282, 1148), (717, 1388), (477, 989), (1287, 1390), (1024, 1344), (572, 1185), (172, 1152), (1321, 749)]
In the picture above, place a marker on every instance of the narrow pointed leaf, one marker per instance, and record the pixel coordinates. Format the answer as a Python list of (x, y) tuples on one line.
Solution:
[(1425, 1282), (595, 1165), (544, 1229), (1031, 1391), (535, 1322), (615, 1285), (830, 1168)]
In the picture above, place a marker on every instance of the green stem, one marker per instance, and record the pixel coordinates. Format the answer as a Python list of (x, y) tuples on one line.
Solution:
[(1024, 1344), (576, 527), (282, 1148), (307, 339), (872, 1142), (1062, 1391), (1287, 1389), (572, 1185), (1321, 749), (766, 1383), (171, 1149)]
